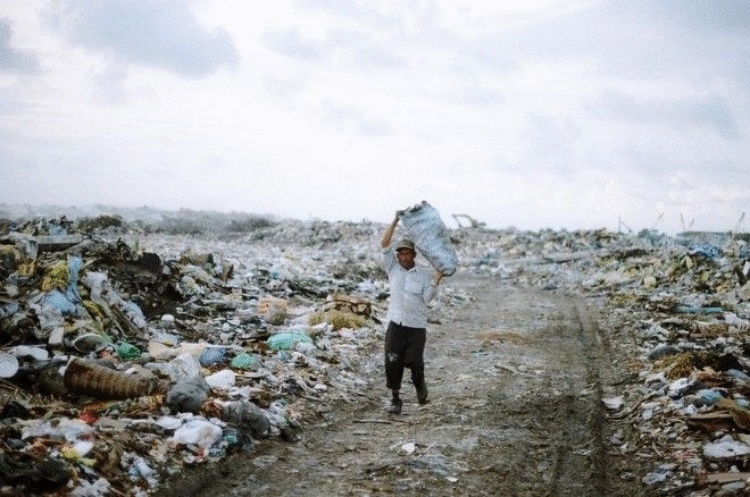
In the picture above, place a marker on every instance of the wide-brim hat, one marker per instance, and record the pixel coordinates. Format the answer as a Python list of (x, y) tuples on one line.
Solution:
[(405, 243)]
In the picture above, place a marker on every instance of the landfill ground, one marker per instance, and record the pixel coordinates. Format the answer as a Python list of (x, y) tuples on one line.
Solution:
[(195, 354), (515, 378)]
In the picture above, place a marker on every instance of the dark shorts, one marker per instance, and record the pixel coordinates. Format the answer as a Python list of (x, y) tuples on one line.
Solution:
[(404, 348)]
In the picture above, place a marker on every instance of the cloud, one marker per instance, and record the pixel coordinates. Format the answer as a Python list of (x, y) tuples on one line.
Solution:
[(350, 118), (342, 46), (291, 43), (634, 41), (709, 112), (13, 60), (365, 36), (702, 40), (547, 112), (708, 17), (468, 91), (164, 35), (10, 105), (365, 51), (109, 85), (286, 86), (548, 146), (364, 13)]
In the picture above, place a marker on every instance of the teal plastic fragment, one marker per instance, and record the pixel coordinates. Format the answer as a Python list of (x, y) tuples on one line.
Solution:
[(287, 341), (244, 361), (686, 309), (128, 351)]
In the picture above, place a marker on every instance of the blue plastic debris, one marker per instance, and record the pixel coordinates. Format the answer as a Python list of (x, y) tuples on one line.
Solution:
[(8, 309), (687, 309), (75, 264), (709, 397), (706, 250), (59, 301), (212, 355), (286, 341), (738, 375)]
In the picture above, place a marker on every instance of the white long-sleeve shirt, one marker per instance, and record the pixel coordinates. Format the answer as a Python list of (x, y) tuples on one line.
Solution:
[(411, 291)]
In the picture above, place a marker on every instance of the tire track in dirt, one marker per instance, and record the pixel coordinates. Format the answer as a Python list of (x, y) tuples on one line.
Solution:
[(515, 386), (557, 404)]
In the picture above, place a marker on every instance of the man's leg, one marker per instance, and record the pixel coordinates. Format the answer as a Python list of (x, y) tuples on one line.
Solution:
[(417, 377), (394, 365), (414, 358)]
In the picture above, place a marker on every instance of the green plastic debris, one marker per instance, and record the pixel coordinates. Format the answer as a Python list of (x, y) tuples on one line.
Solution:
[(243, 361), (128, 351), (687, 309), (286, 341)]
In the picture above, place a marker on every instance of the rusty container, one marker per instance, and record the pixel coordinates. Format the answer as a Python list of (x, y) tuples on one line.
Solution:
[(88, 378)]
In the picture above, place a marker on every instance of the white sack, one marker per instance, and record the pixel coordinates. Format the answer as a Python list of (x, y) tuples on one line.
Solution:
[(430, 235)]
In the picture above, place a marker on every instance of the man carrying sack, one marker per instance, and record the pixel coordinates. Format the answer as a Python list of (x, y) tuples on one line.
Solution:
[(411, 289)]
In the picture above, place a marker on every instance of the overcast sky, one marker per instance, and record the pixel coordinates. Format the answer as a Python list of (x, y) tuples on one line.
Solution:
[(532, 113)]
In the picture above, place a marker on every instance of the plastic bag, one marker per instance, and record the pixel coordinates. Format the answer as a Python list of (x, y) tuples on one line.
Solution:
[(428, 232), (198, 432), (244, 361), (287, 341)]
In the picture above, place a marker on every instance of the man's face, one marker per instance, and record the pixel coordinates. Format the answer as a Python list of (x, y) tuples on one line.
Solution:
[(406, 258)]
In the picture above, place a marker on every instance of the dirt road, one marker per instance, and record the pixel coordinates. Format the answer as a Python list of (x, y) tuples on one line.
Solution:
[(516, 378)]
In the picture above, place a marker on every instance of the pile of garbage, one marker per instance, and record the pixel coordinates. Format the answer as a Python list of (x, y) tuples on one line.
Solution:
[(677, 312), (128, 354), (122, 363)]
